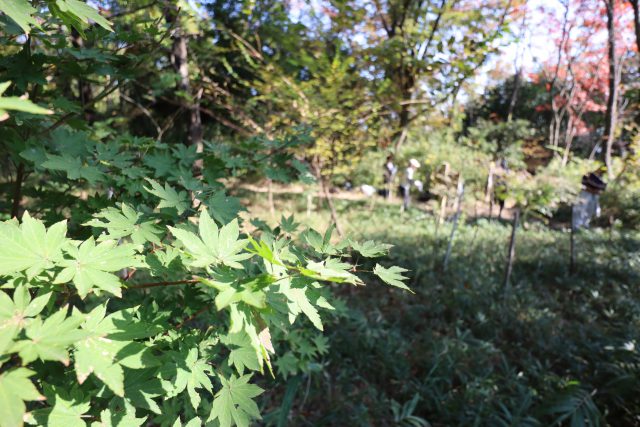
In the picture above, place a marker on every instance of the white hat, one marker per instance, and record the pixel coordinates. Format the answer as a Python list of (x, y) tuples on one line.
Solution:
[(414, 163)]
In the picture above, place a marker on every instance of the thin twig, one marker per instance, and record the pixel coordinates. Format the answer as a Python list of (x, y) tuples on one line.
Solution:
[(158, 284), (193, 316)]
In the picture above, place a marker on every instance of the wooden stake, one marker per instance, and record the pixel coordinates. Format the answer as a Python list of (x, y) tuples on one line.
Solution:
[(443, 210), (572, 250), (489, 193), (458, 204), (488, 197), (272, 208), (512, 249), (309, 203)]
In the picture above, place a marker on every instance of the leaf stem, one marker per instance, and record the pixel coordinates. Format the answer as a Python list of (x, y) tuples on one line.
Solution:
[(157, 284)]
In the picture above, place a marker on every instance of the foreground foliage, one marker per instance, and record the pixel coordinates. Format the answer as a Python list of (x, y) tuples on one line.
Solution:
[(131, 293)]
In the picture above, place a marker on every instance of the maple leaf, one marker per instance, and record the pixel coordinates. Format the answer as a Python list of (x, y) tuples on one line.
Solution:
[(91, 266), (233, 404), (213, 246), (50, 339), (125, 222), (392, 276), (169, 197), (15, 389), (16, 314), (371, 249), (30, 246), (242, 354)]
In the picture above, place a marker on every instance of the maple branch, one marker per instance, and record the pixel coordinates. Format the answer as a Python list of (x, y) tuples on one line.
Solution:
[(157, 284), (193, 316)]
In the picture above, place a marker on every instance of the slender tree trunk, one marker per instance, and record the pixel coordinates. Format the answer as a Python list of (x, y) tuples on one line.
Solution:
[(17, 191), (332, 208), (85, 93), (512, 250), (180, 61), (514, 95), (636, 21), (612, 100), (572, 248)]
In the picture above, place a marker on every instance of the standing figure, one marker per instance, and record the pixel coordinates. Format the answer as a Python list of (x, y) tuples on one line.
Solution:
[(388, 175), (588, 204), (407, 182)]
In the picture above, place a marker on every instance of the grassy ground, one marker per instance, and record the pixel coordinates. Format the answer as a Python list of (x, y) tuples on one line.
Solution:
[(474, 352)]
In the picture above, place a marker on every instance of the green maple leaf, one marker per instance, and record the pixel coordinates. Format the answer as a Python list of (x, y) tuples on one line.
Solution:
[(108, 348), (141, 386), (15, 389), (74, 167), (160, 161), (224, 208), (392, 276), (322, 344), (91, 266), (288, 224), (30, 246), (97, 354), (233, 404), (213, 246), (243, 354), (371, 249), (298, 302), (67, 409), (125, 222), (21, 12), (187, 372), (199, 378), (50, 339), (287, 364), (320, 244), (332, 270), (169, 197), (248, 290), (263, 250), (16, 314), (77, 13), (109, 418), (15, 103)]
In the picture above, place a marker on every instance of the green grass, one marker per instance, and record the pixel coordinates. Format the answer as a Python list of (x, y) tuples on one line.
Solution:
[(549, 345)]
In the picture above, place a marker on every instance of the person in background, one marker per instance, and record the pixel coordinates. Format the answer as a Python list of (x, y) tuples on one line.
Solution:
[(389, 174), (588, 204), (407, 182)]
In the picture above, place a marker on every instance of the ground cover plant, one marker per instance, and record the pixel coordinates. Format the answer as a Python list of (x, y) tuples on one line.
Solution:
[(550, 348)]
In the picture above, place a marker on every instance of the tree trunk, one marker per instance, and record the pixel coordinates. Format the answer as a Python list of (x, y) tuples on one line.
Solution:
[(17, 191), (636, 21), (514, 95), (612, 100), (85, 93), (332, 208), (512, 250), (180, 61)]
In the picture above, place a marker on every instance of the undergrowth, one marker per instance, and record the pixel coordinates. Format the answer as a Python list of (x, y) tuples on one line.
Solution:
[(550, 348)]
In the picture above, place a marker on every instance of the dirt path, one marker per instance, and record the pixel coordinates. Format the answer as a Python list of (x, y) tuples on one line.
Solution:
[(472, 208)]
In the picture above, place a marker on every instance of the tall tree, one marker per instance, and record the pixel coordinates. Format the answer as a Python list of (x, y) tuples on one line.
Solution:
[(612, 96), (179, 58)]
